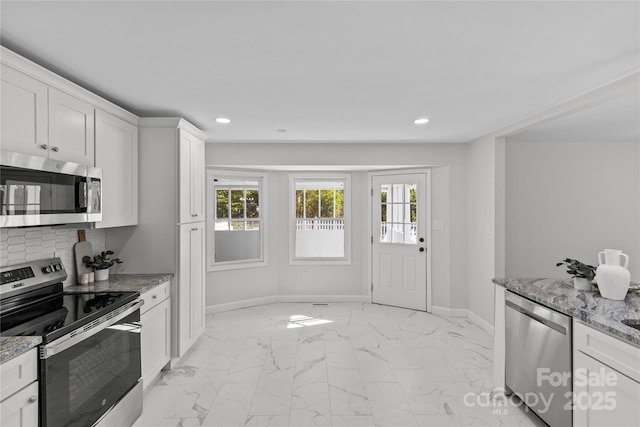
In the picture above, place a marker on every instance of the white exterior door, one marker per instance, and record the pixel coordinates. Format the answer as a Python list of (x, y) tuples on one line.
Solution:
[(399, 218)]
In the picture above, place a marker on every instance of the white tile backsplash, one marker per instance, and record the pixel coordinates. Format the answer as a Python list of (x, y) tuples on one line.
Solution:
[(18, 245)]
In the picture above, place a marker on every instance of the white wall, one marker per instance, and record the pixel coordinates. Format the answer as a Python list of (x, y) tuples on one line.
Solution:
[(481, 225), (449, 202), (570, 200)]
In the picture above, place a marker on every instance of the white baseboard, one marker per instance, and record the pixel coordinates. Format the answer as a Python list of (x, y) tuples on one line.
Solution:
[(323, 298), (463, 312), (440, 311), (449, 312), (479, 321), (217, 308), (284, 298)]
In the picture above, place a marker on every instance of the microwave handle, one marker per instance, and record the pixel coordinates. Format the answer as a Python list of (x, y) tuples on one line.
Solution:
[(83, 199)]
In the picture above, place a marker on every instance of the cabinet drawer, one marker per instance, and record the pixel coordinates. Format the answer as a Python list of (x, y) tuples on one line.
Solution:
[(611, 351), (154, 296), (18, 372)]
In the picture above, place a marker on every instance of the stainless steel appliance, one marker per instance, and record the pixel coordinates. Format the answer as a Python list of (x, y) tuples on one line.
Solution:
[(89, 366), (538, 359), (41, 191)]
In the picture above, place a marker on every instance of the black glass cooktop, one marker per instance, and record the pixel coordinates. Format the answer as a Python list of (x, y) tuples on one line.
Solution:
[(51, 313)]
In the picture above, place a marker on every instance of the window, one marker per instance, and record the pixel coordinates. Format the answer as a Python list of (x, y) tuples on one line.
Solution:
[(235, 219), (319, 213)]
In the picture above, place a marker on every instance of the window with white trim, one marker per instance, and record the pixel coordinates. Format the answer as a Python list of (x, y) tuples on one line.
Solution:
[(319, 216), (235, 219)]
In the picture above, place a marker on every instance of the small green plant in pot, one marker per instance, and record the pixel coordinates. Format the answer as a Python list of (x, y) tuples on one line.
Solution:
[(101, 264), (582, 273)]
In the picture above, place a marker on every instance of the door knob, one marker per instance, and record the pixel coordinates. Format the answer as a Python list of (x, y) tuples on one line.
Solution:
[(56, 149), (44, 146), (421, 239), (421, 249)]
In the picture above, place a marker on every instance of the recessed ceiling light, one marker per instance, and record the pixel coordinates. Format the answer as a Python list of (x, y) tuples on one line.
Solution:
[(421, 121), (223, 120)]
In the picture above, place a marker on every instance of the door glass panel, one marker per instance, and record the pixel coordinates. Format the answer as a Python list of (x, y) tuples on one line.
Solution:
[(398, 213)]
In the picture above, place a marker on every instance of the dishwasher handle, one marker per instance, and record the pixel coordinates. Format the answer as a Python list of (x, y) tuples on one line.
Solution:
[(537, 318)]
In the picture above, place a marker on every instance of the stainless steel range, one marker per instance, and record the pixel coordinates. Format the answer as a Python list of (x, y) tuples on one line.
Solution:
[(89, 367)]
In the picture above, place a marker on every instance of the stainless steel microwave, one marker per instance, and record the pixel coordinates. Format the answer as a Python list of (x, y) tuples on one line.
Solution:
[(40, 191)]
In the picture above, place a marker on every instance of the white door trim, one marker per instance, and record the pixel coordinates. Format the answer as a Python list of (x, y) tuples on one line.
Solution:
[(428, 226)]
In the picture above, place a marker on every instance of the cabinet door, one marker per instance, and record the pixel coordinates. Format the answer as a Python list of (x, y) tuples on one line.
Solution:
[(190, 305), (117, 155), (24, 119), (155, 340), (71, 127), (198, 278), (197, 180), (191, 178), (21, 408), (600, 404)]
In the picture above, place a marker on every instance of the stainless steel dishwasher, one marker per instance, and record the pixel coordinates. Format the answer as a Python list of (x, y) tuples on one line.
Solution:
[(538, 359)]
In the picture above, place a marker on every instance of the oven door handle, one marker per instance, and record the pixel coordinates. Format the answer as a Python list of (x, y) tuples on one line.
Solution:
[(73, 338)]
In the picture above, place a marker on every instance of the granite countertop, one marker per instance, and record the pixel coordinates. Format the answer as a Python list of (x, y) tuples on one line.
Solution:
[(11, 347), (588, 306), (123, 283)]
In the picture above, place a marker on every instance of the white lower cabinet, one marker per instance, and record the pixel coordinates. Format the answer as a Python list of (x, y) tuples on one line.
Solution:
[(19, 391), (191, 285), (156, 332), (606, 383)]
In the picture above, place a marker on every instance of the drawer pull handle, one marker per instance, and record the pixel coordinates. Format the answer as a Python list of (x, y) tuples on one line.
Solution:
[(56, 149), (44, 146), (155, 297), (33, 399)]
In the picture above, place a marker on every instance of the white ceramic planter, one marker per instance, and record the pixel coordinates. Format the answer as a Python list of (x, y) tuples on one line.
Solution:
[(613, 281), (581, 284), (101, 275)]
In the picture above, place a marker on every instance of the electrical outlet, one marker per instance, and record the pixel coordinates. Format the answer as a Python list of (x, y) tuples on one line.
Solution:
[(438, 224), (305, 275)]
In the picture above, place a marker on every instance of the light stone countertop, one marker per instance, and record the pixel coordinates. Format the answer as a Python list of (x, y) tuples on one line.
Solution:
[(11, 347), (588, 306), (123, 283)]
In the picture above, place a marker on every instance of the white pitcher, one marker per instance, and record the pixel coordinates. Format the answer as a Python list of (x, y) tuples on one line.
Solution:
[(612, 275)]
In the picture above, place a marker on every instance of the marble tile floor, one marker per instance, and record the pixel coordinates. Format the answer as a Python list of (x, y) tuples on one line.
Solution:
[(342, 364)]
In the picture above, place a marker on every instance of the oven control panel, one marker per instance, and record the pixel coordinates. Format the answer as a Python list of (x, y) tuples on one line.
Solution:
[(16, 278), (15, 275)]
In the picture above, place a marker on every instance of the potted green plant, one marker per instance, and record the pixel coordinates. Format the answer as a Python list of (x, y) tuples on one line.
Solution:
[(582, 273), (101, 264)]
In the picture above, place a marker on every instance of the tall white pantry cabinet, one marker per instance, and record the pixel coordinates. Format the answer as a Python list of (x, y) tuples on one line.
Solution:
[(171, 233)]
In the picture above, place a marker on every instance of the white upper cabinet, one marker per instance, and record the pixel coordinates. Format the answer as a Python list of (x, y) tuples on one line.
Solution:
[(116, 150), (24, 113), (191, 178), (71, 128)]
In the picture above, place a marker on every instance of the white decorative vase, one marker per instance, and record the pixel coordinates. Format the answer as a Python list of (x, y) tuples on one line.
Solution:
[(612, 274), (102, 274), (581, 284)]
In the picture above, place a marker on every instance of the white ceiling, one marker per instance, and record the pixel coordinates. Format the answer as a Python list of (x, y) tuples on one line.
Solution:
[(332, 71)]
